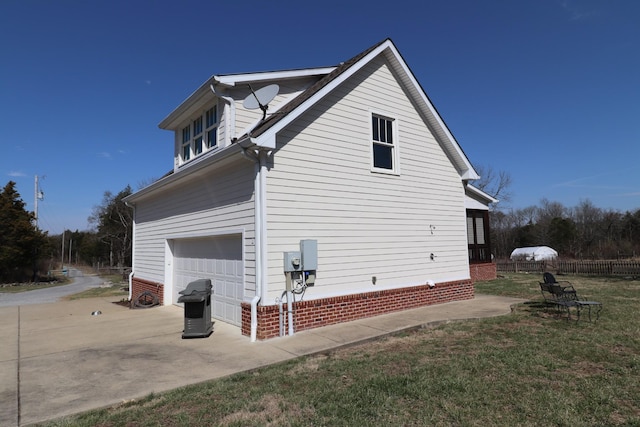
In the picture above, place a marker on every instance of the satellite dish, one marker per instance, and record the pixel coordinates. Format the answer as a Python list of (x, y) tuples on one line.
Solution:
[(261, 98)]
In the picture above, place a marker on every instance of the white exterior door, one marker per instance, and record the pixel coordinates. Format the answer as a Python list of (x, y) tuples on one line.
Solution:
[(216, 258)]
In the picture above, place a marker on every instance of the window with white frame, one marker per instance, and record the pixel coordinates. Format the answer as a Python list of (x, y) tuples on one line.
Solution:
[(383, 143), (200, 135)]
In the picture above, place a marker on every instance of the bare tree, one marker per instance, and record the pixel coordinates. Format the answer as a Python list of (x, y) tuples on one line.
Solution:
[(495, 184), (146, 182), (113, 222)]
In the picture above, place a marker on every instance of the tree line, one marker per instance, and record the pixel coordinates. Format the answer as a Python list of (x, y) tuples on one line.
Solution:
[(30, 254), (581, 232), (108, 243)]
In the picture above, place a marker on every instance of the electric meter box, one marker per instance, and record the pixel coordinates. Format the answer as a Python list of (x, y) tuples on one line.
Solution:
[(309, 253), (292, 261)]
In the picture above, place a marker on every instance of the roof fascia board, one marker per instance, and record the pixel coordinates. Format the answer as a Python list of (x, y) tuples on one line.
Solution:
[(468, 171), (480, 193), (235, 79), (474, 204), (270, 133), (189, 170), (203, 91), (232, 80)]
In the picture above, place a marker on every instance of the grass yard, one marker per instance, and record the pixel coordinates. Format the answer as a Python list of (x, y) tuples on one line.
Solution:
[(14, 288), (528, 368), (118, 288)]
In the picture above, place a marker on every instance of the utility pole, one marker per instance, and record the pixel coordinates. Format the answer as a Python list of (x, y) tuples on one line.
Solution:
[(38, 195), (62, 253)]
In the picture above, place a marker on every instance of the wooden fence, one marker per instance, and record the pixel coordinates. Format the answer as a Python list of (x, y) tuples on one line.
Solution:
[(595, 268)]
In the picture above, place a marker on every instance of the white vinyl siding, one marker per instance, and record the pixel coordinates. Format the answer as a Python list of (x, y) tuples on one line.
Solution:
[(204, 210), (321, 187)]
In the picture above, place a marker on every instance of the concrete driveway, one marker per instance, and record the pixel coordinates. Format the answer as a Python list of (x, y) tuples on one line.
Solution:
[(57, 359)]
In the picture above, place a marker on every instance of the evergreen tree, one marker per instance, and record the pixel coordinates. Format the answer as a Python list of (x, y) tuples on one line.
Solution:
[(21, 243)]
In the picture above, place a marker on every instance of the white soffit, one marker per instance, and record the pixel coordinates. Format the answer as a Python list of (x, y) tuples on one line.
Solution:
[(235, 79)]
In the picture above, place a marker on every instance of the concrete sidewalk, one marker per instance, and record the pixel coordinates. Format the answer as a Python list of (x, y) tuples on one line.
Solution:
[(57, 359)]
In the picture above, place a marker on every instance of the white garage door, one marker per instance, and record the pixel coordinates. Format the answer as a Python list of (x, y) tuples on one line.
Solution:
[(218, 259)]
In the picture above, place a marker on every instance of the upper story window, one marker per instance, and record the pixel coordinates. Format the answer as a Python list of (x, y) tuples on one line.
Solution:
[(211, 121), (200, 135), (384, 146), (186, 143)]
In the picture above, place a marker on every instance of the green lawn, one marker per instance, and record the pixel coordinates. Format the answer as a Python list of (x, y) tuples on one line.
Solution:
[(528, 368), (32, 286), (118, 288)]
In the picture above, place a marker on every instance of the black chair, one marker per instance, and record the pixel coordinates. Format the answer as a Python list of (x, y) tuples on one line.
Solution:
[(566, 286), (564, 296)]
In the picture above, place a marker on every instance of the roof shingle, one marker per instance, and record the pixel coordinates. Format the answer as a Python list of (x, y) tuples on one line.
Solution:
[(271, 120)]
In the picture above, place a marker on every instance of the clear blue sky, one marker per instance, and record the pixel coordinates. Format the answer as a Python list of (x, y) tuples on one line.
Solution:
[(547, 90)]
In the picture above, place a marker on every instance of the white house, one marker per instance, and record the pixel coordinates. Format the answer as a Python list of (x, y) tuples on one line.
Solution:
[(351, 171)]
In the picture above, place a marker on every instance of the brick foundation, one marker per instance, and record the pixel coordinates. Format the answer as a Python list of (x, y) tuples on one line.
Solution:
[(138, 286), (484, 271), (328, 311)]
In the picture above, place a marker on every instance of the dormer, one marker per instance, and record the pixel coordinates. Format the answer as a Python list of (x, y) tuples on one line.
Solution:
[(213, 117)]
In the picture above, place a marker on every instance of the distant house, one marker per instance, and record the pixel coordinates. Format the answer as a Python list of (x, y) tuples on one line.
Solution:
[(351, 193)]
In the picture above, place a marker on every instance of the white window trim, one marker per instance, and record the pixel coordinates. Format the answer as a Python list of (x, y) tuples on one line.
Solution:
[(205, 149), (395, 156)]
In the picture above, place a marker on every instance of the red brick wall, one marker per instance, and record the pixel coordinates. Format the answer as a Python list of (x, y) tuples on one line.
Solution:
[(328, 311), (138, 286), (484, 271)]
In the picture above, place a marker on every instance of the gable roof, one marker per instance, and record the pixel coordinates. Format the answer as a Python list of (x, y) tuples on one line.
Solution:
[(232, 80), (264, 132), (307, 94), (475, 198)]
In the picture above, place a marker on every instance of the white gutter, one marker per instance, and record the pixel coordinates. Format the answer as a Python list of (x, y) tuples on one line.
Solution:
[(260, 227), (194, 167), (254, 317), (131, 283), (262, 220), (133, 252), (257, 243), (230, 117)]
